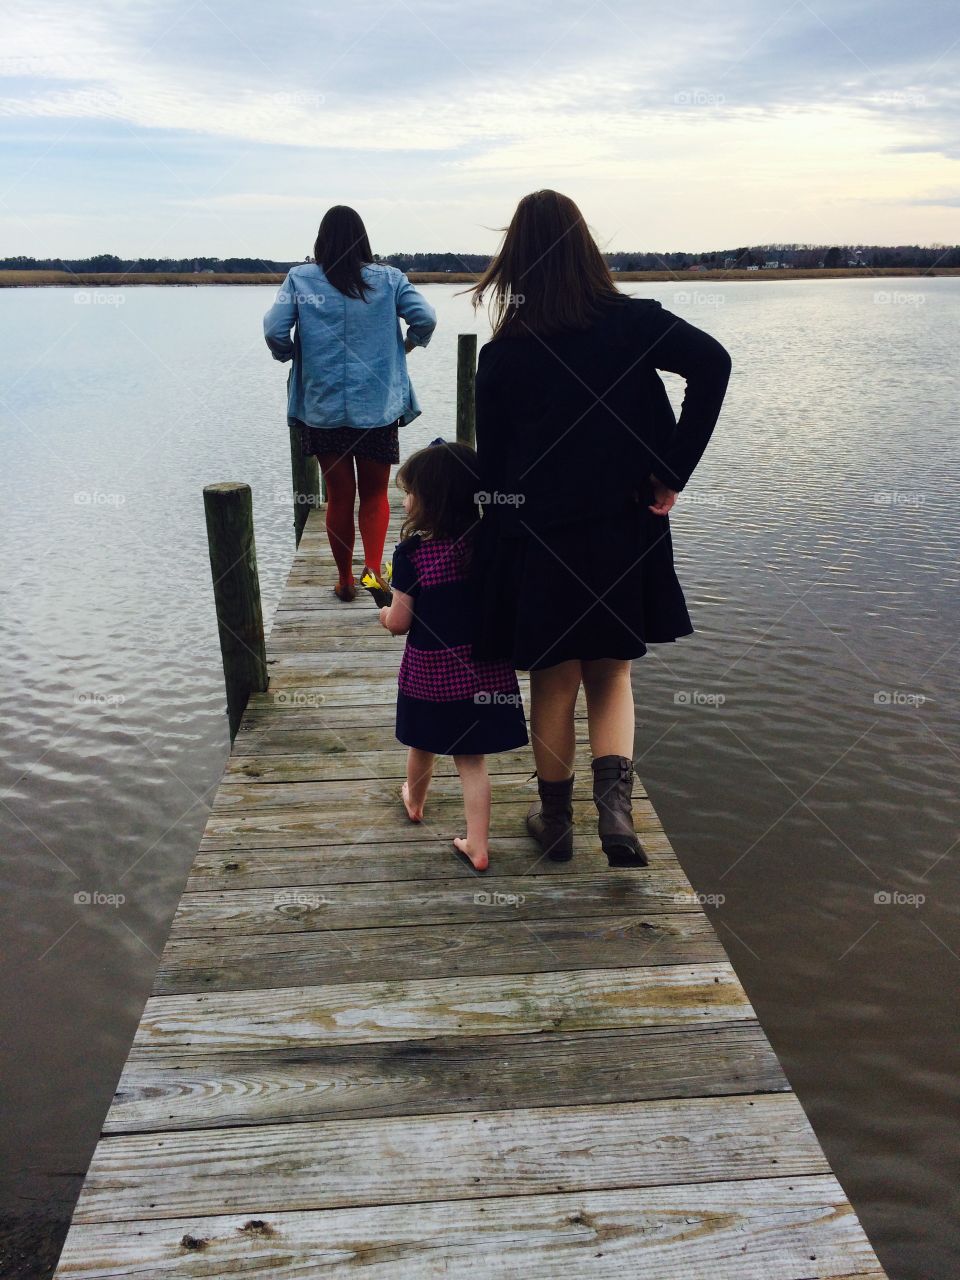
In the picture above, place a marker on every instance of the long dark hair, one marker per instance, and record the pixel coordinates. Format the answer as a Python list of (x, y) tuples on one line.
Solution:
[(444, 482), (548, 276), (342, 250)]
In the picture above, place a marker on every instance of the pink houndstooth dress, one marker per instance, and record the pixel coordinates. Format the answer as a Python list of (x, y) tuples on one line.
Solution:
[(447, 702)]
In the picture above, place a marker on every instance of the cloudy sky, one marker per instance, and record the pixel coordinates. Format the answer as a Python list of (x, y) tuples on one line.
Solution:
[(174, 127)]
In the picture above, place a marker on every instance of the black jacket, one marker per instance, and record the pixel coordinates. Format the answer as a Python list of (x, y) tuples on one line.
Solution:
[(573, 423)]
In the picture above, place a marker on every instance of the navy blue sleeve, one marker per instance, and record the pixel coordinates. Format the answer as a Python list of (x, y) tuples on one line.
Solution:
[(492, 424), (404, 574), (682, 348)]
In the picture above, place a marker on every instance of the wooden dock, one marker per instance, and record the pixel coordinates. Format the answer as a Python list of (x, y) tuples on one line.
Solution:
[(360, 1057)]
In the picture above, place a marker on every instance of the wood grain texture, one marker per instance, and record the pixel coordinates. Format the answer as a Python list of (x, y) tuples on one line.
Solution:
[(429, 858), (426, 858), (412, 1009), (360, 1055), (801, 1228), (414, 902), (469, 1156), (160, 1090), (237, 962), (233, 826), (375, 799)]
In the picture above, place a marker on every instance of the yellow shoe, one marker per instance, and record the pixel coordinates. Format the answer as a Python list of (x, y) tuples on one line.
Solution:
[(377, 587)]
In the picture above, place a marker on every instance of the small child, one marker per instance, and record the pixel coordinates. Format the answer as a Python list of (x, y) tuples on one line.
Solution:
[(447, 704)]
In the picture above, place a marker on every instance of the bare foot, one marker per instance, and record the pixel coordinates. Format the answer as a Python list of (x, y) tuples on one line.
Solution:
[(413, 813), (480, 861)]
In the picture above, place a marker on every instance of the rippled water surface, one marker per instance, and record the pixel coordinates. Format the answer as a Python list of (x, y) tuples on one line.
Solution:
[(801, 748)]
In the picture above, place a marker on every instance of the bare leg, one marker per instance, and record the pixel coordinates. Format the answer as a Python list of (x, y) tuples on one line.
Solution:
[(476, 803), (610, 715), (414, 790), (553, 698)]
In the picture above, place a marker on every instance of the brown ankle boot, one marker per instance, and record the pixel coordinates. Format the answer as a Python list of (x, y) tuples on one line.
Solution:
[(550, 819), (612, 790)]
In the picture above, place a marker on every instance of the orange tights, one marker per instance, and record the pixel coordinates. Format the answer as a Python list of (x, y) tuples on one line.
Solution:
[(371, 479)]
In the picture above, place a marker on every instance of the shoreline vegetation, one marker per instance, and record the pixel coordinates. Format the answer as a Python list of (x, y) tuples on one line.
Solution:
[(116, 279)]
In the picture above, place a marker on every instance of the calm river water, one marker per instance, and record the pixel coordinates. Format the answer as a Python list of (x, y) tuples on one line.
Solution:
[(801, 748)]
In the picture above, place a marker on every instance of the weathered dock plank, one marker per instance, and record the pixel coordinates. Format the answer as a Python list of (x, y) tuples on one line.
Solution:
[(160, 1090), (470, 1155), (351, 797), (357, 1054), (384, 903), (413, 1009), (799, 1228), (423, 859), (236, 962)]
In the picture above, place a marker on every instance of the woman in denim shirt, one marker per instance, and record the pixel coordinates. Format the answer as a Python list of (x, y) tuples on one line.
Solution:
[(349, 391)]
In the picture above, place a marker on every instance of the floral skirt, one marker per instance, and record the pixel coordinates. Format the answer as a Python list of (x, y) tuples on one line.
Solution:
[(378, 444)]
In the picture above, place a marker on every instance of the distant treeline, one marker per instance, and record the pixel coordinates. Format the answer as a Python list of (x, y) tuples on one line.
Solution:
[(103, 262), (780, 255), (784, 255)]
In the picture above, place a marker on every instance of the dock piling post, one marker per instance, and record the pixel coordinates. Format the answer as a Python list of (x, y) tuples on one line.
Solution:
[(309, 488), (466, 382), (236, 591)]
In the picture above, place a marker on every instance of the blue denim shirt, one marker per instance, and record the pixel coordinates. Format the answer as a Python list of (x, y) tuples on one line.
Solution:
[(349, 365)]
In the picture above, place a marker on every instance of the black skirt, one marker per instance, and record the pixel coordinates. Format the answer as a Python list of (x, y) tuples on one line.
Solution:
[(378, 444), (603, 588), (463, 728)]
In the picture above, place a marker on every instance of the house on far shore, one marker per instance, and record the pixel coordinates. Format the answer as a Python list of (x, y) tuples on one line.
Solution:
[(753, 267), (771, 264)]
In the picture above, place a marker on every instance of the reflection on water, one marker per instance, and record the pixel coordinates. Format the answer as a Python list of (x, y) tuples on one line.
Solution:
[(801, 747)]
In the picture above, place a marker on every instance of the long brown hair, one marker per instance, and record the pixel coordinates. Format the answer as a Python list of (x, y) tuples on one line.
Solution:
[(444, 483), (548, 276), (342, 250)]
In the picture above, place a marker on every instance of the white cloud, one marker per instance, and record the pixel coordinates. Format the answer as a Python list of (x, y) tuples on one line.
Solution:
[(691, 127)]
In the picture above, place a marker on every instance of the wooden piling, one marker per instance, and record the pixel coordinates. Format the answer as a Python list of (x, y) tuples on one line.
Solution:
[(236, 592), (309, 488), (466, 381)]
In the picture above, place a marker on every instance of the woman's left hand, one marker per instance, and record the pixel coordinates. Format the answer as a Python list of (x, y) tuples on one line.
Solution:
[(663, 498)]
